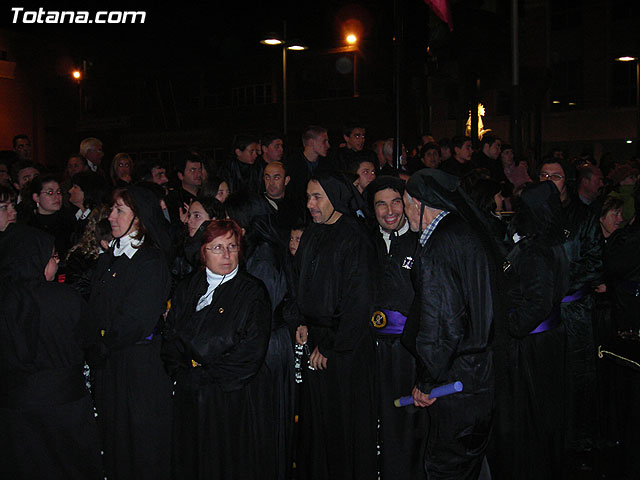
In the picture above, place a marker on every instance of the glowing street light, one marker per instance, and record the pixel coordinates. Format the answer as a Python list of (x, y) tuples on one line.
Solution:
[(76, 74), (351, 39), (626, 59)]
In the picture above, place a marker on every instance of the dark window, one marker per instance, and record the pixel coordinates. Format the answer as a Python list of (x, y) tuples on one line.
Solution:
[(623, 84), (566, 86), (625, 9), (565, 14)]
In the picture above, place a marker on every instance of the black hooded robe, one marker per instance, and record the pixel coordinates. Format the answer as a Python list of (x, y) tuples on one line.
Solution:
[(46, 415), (224, 423), (335, 296)]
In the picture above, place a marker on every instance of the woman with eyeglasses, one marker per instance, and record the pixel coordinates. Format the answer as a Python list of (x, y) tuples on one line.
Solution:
[(215, 342), (46, 414), (48, 214), (129, 292)]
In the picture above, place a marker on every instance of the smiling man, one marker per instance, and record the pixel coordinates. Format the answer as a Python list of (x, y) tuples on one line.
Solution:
[(335, 296)]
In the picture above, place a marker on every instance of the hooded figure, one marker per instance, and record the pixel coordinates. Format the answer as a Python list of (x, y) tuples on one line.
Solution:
[(128, 298), (449, 326), (335, 298), (343, 194), (46, 414), (530, 345)]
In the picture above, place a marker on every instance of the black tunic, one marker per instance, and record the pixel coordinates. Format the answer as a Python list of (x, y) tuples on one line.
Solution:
[(46, 416), (132, 391), (448, 330), (402, 430), (335, 297), (223, 414)]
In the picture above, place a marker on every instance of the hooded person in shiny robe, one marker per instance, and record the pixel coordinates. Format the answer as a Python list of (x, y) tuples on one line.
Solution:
[(335, 297), (46, 415), (528, 431), (132, 391), (449, 325)]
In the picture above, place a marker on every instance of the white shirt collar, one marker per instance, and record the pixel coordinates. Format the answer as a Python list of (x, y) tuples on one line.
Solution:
[(128, 245), (387, 236), (92, 167), (214, 280)]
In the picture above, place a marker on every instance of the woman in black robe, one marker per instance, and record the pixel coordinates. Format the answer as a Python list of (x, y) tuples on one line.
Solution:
[(46, 416), (530, 345), (128, 298), (215, 343)]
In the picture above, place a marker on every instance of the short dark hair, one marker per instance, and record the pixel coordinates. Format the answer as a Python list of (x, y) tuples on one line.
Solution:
[(183, 157), (459, 140), (268, 137), (349, 127), (428, 146), (21, 165), (7, 194), (488, 139), (212, 206), (312, 131), (20, 136), (242, 141)]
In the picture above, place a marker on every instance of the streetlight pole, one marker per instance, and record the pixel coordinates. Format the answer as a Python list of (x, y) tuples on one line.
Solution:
[(637, 61)]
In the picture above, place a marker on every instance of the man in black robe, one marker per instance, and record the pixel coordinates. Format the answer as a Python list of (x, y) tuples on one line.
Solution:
[(335, 296), (449, 325), (401, 431)]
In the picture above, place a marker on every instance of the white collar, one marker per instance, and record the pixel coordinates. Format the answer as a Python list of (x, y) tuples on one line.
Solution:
[(92, 166), (128, 245), (214, 280), (386, 236)]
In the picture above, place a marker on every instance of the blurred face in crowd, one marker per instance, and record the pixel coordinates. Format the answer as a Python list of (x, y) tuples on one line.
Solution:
[(95, 154), (159, 176), (75, 165), (507, 157), (76, 196), (49, 200), (355, 141), (23, 148), (389, 209), (463, 154), (4, 175), (122, 219), (192, 176), (274, 151), (594, 185), (445, 152), (222, 253), (223, 192), (197, 216), (431, 158), (249, 154), (555, 173), (294, 240), (275, 180), (320, 144), (123, 169), (493, 150), (7, 214), (25, 176), (51, 268), (611, 221), (319, 205), (366, 174)]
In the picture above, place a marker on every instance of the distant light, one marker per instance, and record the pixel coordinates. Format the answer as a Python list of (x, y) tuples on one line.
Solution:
[(556, 102), (351, 39), (76, 74), (271, 41), (626, 59), (572, 104), (629, 141), (297, 47)]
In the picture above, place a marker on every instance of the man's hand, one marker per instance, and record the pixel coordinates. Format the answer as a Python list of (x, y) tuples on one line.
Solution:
[(421, 399), (317, 360), (302, 335)]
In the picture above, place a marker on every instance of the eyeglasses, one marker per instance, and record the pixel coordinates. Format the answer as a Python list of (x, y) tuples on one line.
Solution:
[(220, 249), (51, 193), (550, 176)]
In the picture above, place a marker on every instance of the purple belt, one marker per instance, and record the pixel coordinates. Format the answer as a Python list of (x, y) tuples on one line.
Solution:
[(552, 321), (577, 295), (388, 322)]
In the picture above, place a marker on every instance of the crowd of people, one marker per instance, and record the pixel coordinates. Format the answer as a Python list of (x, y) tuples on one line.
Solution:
[(256, 318)]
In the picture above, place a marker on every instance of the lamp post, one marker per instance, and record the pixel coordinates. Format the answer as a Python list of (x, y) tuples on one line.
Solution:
[(275, 40), (352, 40), (637, 60)]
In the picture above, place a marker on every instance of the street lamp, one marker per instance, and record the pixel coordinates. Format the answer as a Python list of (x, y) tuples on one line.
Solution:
[(294, 45), (352, 40), (637, 60)]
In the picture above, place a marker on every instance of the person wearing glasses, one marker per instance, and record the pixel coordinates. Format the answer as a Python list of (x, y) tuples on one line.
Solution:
[(583, 247), (46, 414), (214, 347), (129, 292), (47, 213)]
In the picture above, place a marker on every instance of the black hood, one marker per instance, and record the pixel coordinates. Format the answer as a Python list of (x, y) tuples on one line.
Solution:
[(150, 214), (24, 253), (342, 193), (540, 214)]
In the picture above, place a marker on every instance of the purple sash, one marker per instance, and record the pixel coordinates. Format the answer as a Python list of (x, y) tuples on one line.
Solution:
[(552, 321), (395, 323)]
